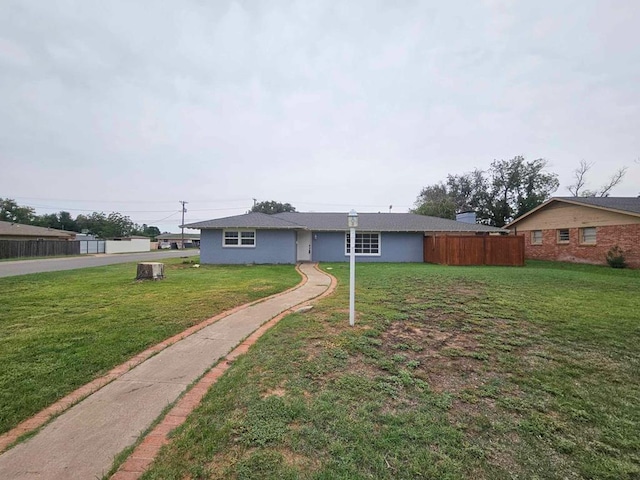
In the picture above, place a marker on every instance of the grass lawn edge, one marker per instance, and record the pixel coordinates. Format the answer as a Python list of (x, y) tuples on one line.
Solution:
[(28, 427), (144, 451)]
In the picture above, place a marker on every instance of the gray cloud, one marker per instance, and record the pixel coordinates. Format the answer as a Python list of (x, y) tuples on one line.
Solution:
[(110, 105)]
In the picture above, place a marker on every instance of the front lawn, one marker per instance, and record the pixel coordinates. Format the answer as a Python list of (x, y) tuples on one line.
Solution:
[(60, 330), (450, 373)]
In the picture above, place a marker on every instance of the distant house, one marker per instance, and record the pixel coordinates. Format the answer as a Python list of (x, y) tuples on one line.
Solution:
[(581, 229), (293, 237), (17, 231), (191, 240)]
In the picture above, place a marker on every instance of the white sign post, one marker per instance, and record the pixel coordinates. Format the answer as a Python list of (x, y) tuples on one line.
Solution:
[(353, 223)]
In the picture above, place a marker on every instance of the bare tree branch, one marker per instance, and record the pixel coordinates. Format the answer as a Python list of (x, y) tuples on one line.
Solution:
[(579, 174), (615, 179)]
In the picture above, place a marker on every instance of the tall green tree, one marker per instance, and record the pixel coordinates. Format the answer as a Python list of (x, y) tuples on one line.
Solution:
[(67, 222), (508, 189), (271, 207), (146, 230), (49, 220), (106, 226), (10, 211), (435, 201), (61, 221)]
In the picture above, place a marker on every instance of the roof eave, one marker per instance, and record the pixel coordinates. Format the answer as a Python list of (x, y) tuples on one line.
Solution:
[(570, 201), (599, 207), (219, 227)]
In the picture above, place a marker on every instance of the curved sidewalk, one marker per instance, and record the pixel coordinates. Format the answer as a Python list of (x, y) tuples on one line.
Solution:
[(83, 441)]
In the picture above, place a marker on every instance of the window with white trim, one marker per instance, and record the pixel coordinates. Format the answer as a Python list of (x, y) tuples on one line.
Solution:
[(563, 235), (239, 238), (588, 235), (366, 244), (536, 237)]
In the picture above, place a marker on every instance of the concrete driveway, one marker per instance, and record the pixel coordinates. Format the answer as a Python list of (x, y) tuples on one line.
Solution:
[(23, 267)]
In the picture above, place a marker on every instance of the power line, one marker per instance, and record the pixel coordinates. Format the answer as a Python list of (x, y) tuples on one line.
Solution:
[(69, 209), (202, 201), (52, 207), (163, 219), (94, 200)]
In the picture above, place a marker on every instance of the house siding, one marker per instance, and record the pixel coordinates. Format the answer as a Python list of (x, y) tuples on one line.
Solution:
[(564, 215), (627, 237), (394, 247), (272, 246)]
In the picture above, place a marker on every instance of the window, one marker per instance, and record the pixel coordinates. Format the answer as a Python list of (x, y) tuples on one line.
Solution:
[(563, 235), (588, 236), (366, 244), (536, 237), (239, 238)]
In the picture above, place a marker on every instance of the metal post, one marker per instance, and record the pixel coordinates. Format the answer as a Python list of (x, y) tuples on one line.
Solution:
[(352, 276), (182, 224)]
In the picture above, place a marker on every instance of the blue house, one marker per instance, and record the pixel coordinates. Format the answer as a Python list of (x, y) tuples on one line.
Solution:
[(322, 237)]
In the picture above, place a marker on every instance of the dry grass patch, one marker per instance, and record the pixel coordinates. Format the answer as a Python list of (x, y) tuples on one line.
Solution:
[(449, 373)]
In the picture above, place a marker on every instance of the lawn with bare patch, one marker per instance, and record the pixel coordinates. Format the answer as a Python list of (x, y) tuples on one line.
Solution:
[(449, 373)]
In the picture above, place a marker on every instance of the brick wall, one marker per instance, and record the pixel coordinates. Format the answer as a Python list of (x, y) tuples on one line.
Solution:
[(627, 237)]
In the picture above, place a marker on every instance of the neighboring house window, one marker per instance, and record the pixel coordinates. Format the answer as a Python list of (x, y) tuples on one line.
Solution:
[(366, 244), (563, 235), (239, 238), (536, 237), (588, 236)]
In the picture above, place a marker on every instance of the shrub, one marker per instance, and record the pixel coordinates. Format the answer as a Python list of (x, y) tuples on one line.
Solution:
[(615, 257)]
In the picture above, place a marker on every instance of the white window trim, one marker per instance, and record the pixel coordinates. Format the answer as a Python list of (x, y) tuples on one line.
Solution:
[(533, 237), (563, 242), (239, 230), (581, 236), (346, 253)]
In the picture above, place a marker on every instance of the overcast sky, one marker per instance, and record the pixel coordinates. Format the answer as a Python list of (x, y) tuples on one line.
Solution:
[(328, 105)]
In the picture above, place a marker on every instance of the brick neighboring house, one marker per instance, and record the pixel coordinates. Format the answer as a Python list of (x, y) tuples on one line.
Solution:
[(581, 229)]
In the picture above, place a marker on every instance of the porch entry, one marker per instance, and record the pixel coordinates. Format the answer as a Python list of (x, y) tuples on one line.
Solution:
[(303, 242)]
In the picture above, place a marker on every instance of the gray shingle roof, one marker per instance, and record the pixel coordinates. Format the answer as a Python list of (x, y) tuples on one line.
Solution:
[(372, 222), (382, 222), (20, 230), (248, 220), (623, 204)]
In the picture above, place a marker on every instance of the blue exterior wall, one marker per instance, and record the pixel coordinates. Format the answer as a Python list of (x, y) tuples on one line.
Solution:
[(394, 247), (272, 246), (279, 246)]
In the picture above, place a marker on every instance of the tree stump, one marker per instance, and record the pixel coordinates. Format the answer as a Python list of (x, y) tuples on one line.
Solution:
[(150, 271)]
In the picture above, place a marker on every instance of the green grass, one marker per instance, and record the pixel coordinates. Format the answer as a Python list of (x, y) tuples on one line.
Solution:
[(450, 373), (60, 330)]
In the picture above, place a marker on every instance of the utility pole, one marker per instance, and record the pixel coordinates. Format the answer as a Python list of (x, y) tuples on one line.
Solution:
[(184, 210)]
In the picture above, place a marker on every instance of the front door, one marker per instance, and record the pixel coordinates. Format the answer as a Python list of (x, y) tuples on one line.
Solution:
[(303, 242)]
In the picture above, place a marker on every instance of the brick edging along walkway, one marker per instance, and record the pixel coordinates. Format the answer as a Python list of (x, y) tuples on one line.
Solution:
[(144, 454), (66, 402)]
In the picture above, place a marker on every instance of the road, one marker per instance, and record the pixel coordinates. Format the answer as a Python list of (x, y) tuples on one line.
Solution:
[(22, 267)]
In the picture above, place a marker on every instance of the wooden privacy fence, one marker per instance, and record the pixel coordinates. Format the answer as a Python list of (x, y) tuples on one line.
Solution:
[(37, 248), (505, 250)]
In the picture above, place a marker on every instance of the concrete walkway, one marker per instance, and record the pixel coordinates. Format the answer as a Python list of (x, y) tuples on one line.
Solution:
[(82, 442)]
